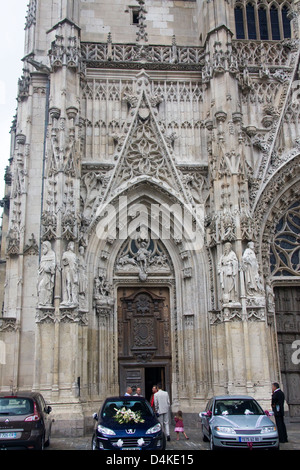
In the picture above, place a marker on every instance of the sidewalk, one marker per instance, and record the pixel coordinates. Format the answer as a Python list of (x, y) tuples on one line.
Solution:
[(194, 443)]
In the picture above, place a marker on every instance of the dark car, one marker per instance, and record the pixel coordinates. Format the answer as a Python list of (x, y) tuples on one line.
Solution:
[(24, 421), (127, 423)]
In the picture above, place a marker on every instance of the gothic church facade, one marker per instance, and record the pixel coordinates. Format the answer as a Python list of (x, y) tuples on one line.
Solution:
[(151, 213)]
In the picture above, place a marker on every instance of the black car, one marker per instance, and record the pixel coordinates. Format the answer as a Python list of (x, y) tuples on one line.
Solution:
[(127, 423), (24, 421)]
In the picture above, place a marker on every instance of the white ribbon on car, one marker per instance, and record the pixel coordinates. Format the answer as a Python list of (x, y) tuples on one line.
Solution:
[(259, 419)]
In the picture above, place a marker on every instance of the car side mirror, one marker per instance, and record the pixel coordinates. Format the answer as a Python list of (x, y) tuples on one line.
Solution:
[(205, 414), (48, 409), (95, 416)]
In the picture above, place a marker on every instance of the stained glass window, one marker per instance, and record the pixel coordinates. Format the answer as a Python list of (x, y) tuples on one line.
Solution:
[(285, 249)]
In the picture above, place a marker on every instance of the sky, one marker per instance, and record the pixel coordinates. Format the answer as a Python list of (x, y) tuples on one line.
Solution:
[(12, 22)]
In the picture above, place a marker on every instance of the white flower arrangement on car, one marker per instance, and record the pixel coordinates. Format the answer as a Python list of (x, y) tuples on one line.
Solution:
[(125, 416)]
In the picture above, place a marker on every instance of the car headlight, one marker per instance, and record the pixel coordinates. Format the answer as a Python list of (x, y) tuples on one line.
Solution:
[(225, 429), (106, 431), (266, 429), (154, 429)]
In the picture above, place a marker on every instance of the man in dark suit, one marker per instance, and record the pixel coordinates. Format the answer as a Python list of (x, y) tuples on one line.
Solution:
[(278, 409)]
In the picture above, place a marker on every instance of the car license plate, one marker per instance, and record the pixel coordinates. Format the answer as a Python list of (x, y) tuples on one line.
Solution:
[(249, 439), (8, 435), (131, 448)]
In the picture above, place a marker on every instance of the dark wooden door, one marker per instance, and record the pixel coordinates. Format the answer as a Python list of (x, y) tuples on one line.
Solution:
[(287, 307), (144, 336)]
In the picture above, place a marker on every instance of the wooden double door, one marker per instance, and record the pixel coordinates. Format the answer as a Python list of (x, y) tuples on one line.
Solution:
[(144, 334), (287, 308)]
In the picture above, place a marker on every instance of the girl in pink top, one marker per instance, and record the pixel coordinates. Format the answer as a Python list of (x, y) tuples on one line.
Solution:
[(179, 427)]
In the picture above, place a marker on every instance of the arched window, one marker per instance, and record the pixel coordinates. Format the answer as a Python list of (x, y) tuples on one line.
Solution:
[(285, 249), (267, 20), (286, 24), (239, 23), (274, 23), (263, 24), (251, 21)]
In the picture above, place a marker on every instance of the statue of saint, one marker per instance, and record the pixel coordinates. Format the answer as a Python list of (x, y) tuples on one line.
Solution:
[(250, 267), (46, 276), (83, 281), (70, 278), (228, 271)]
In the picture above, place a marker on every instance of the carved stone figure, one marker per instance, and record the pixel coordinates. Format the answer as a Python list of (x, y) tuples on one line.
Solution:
[(228, 271), (250, 267), (102, 295), (70, 277), (83, 282), (46, 276), (270, 297)]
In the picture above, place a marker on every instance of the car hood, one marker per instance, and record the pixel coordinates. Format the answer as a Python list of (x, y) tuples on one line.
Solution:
[(242, 421), (139, 428)]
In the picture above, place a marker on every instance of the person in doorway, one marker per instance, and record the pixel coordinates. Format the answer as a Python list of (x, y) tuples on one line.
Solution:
[(278, 409), (162, 408), (154, 391), (179, 426), (138, 392), (128, 392)]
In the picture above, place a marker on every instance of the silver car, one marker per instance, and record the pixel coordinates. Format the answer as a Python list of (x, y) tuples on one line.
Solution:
[(237, 422)]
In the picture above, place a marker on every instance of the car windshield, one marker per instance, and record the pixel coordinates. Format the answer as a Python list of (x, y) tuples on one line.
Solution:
[(112, 407), (237, 406), (12, 406)]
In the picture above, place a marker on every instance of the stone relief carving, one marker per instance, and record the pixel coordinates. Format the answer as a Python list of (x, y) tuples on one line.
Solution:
[(65, 50), (46, 276), (103, 296), (143, 257)]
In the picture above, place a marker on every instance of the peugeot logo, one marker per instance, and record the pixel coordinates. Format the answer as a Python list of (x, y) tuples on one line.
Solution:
[(130, 431)]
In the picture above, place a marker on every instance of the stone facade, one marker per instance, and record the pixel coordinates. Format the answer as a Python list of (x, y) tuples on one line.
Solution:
[(154, 163)]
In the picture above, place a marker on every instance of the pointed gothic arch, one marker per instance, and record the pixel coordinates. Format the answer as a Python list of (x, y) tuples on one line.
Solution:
[(185, 273), (278, 213)]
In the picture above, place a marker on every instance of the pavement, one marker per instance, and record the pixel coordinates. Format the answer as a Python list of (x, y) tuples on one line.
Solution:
[(194, 443)]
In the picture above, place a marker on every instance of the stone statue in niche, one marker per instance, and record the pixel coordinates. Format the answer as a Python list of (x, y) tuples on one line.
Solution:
[(250, 268), (83, 282), (228, 271), (70, 277), (102, 292), (270, 297), (46, 276)]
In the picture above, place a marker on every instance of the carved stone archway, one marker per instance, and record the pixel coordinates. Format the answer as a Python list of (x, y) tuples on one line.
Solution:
[(278, 212), (171, 265)]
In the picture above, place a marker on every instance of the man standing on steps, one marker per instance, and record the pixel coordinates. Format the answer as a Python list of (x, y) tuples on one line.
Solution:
[(162, 408), (278, 408)]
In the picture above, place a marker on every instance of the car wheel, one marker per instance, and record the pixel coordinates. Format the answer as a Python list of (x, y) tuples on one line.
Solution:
[(164, 442), (41, 444), (205, 438), (94, 442), (211, 443)]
